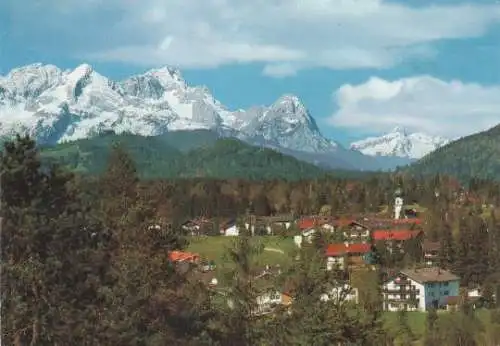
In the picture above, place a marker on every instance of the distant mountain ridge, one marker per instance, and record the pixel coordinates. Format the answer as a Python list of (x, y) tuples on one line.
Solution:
[(55, 106), (400, 143)]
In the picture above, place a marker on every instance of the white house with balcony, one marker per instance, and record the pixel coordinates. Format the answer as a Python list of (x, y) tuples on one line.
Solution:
[(420, 289)]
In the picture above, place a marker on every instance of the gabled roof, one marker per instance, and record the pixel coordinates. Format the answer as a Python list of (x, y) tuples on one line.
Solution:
[(378, 235), (314, 221), (306, 223), (433, 274), (340, 249)]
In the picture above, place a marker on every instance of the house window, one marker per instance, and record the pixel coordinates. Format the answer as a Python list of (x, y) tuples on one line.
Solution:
[(446, 284), (446, 293)]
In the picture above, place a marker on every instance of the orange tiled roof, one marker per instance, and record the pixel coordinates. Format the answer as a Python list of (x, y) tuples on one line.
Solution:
[(180, 256)]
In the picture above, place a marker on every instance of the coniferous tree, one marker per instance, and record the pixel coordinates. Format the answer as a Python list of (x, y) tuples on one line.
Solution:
[(320, 313), (148, 301), (52, 259), (447, 247), (238, 319)]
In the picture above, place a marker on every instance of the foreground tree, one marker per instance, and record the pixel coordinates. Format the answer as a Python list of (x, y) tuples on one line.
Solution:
[(238, 321), (53, 261), (152, 301), (320, 314)]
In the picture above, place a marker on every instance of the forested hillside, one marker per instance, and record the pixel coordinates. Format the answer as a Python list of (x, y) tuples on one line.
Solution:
[(186, 155), (475, 156)]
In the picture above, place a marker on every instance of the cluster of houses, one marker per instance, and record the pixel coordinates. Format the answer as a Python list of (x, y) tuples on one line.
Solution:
[(410, 289), (416, 289)]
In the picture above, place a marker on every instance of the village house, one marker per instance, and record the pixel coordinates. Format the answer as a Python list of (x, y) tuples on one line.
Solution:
[(411, 213), (278, 223), (341, 294), (182, 256), (323, 223), (197, 226), (268, 301), (342, 255), (352, 230), (473, 297), (420, 289), (430, 251), (231, 228), (387, 223), (270, 297), (395, 240), (308, 227)]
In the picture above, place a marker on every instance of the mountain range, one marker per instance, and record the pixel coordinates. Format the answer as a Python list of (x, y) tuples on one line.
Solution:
[(400, 143), (57, 106)]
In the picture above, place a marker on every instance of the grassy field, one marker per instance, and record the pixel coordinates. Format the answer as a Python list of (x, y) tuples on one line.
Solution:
[(273, 250), (416, 320)]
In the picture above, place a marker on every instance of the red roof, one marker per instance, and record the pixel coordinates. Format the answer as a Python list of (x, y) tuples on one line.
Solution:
[(394, 235), (306, 223), (311, 222), (181, 256), (334, 250)]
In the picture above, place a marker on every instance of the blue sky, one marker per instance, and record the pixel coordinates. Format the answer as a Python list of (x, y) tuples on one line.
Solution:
[(362, 67)]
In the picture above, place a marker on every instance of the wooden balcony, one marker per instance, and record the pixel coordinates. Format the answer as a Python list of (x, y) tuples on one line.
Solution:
[(401, 291)]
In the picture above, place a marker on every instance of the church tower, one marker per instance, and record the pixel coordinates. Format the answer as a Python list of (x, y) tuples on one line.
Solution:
[(398, 203)]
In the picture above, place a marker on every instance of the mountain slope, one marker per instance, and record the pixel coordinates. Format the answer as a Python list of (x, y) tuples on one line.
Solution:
[(157, 157), (400, 143), (475, 156)]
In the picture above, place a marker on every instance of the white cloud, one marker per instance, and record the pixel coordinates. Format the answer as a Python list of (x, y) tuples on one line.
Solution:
[(286, 34), (423, 103)]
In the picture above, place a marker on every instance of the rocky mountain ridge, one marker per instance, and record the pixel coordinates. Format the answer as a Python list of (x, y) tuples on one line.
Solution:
[(55, 105)]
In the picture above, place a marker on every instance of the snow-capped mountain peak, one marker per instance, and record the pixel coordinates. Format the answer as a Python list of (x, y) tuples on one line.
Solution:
[(291, 108), (167, 76), (286, 124), (56, 106), (400, 143), (30, 81), (400, 130), (289, 101)]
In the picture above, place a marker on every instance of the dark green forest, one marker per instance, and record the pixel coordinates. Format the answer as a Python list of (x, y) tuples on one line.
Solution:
[(476, 156), (81, 266), (186, 155)]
